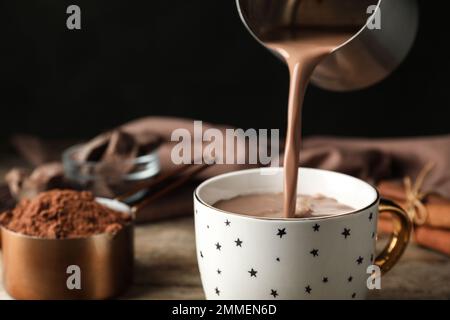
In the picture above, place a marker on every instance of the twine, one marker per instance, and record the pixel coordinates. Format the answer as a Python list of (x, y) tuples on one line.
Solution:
[(415, 206)]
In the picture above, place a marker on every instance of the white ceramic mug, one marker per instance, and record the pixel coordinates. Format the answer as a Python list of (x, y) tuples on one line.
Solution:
[(245, 257)]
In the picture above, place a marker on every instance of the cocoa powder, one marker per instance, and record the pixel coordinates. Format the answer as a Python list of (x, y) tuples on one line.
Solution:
[(63, 214)]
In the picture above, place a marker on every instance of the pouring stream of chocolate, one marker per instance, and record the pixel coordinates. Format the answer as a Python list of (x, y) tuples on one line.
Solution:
[(302, 50)]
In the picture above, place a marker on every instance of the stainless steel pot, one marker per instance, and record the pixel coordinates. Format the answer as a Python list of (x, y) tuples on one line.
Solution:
[(367, 58)]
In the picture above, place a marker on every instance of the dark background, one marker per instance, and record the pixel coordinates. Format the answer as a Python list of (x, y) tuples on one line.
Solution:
[(192, 59)]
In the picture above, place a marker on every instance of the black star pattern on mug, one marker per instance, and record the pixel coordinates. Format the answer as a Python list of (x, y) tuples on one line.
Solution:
[(274, 293), (325, 279), (281, 232), (253, 273), (238, 242), (201, 254), (308, 289), (217, 291), (350, 279), (359, 260), (278, 259), (354, 295), (316, 227), (373, 235), (227, 223), (346, 233), (371, 216), (207, 227), (219, 271), (218, 246), (314, 252)]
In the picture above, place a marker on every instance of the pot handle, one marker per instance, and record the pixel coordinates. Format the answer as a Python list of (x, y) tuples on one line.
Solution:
[(399, 238)]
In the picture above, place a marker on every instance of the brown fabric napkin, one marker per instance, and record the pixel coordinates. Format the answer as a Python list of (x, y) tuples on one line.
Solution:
[(112, 150), (6, 199), (383, 159)]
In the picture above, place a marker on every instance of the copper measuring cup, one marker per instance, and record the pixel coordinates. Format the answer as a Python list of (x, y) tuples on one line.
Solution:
[(37, 268)]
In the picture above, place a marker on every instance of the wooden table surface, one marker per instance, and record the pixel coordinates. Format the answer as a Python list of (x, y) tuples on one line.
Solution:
[(166, 267)]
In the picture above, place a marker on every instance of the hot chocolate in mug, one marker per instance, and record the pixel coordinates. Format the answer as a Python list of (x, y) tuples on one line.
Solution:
[(326, 257)]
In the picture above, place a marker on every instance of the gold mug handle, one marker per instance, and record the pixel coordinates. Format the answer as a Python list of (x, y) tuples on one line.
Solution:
[(399, 238)]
